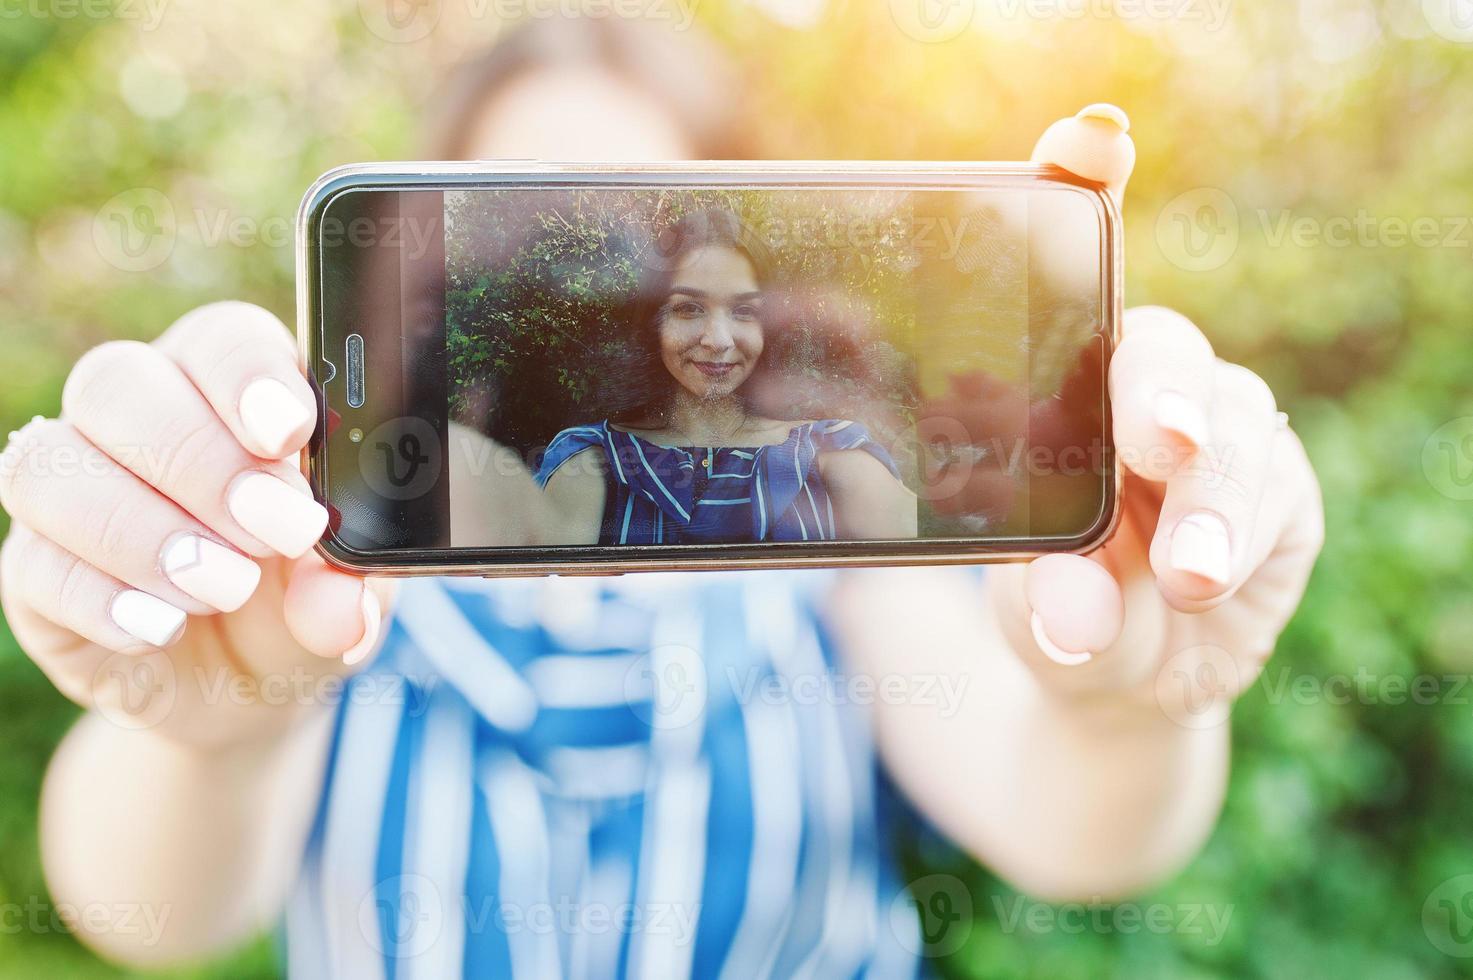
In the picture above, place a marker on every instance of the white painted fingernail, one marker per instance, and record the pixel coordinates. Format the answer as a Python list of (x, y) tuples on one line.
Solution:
[(1181, 416), (372, 616), (147, 618), (1200, 545), (214, 574), (1107, 112), (1051, 649), (272, 415), (279, 515)]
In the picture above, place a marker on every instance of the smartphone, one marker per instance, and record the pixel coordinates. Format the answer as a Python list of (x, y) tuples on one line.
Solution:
[(533, 368)]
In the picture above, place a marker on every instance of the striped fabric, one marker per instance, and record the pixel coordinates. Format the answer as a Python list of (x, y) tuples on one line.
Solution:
[(713, 495), (601, 778)]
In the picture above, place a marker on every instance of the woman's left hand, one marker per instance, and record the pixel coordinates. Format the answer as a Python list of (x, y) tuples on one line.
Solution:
[(1221, 512), (1082, 750)]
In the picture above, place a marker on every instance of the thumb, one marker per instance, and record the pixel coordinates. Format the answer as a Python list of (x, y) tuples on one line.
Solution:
[(333, 614), (1066, 618), (1093, 144)]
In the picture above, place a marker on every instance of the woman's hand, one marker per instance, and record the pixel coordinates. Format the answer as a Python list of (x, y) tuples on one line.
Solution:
[(159, 566), (1221, 523), (1221, 514), (1082, 751)]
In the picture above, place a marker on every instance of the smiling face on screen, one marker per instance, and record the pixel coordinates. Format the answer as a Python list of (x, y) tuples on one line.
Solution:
[(711, 322)]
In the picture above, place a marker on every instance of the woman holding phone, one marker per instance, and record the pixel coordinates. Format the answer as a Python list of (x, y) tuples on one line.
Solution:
[(503, 751), (695, 463)]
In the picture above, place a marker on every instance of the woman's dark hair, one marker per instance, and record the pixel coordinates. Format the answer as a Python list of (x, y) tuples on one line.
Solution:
[(651, 386)]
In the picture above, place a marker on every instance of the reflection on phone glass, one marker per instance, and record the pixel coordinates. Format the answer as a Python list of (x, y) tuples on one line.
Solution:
[(556, 366)]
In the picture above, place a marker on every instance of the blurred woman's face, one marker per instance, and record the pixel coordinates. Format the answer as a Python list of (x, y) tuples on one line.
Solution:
[(575, 114), (711, 323)]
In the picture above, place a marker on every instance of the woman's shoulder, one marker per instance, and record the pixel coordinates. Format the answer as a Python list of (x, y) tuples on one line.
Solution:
[(567, 444), (823, 434), (777, 432), (838, 433), (845, 435), (584, 434)]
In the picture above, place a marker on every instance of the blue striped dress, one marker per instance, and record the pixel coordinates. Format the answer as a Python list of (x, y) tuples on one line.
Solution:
[(713, 495), (602, 778)]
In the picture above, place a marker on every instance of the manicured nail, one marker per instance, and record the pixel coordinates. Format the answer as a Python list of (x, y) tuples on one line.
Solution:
[(372, 616), (1200, 545), (147, 618), (1181, 417), (279, 515), (1107, 112), (1054, 652), (214, 574), (272, 415)]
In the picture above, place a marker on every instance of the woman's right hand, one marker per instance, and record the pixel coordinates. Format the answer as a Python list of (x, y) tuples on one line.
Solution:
[(159, 567)]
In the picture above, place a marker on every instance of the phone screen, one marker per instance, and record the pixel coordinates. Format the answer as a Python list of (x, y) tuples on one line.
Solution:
[(574, 367)]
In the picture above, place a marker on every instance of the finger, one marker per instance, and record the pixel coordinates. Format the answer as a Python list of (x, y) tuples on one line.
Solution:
[(1288, 532), (1076, 607), (70, 492), (1075, 625), (242, 360), (333, 614), (135, 404), (1207, 539), (1161, 378), (1094, 144), (55, 584)]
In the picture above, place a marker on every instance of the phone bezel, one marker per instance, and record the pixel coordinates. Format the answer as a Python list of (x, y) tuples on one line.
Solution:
[(618, 559)]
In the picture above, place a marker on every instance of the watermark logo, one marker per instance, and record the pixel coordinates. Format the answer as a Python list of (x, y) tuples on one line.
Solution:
[(135, 692), (668, 688), (400, 21), (1363, 229), (1195, 687), (1211, 15), (406, 928), (932, 916), (136, 230), (1208, 922), (1447, 459), (944, 692), (39, 917), (933, 21), (567, 917), (663, 251), (1447, 917), (1451, 20), (408, 21), (400, 459), (1284, 686), (147, 14), (1199, 231)]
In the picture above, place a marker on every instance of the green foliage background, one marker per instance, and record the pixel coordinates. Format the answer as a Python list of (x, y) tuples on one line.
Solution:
[(1342, 818)]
